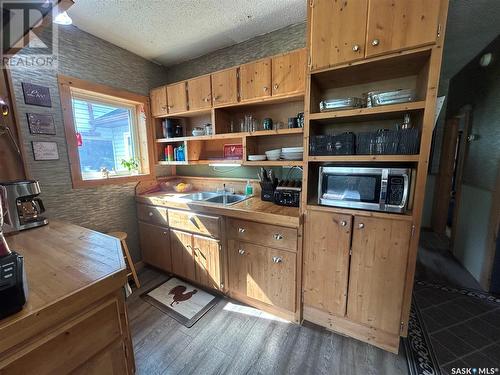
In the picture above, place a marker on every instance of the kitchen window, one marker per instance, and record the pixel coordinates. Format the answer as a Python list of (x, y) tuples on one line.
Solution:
[(106, 133)]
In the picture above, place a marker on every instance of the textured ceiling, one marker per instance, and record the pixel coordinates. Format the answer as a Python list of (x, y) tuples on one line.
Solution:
[(471, 26), (171, 31)]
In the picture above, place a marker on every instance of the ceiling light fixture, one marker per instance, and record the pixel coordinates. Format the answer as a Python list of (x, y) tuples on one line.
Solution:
[(63, 19)]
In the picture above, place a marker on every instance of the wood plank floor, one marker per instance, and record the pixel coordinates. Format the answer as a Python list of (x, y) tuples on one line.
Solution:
[(236, 339)]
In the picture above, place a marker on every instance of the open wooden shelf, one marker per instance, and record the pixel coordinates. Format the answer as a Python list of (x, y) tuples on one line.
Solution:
[(275, 163), (215, 161), (266, 100), (373, 113), (232, 135), (365, 158), (164, 162)]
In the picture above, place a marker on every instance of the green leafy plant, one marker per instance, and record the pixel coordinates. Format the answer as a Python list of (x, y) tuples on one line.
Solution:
[(132, 164)]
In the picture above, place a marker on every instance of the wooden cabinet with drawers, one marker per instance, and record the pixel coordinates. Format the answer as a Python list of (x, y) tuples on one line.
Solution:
[(199, 93), (350, 30), (262, 234), (182, 254), (194, 222), (152, 214), (177, 98)]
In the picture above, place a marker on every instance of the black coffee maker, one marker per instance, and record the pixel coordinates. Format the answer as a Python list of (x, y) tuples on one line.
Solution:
[(13, 286)]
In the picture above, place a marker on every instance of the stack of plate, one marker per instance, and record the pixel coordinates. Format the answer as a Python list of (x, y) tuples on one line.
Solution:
[(292, 153), (273, 154), (256, 157)]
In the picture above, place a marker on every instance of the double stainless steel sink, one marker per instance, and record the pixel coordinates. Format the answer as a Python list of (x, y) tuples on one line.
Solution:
[(223, 199)]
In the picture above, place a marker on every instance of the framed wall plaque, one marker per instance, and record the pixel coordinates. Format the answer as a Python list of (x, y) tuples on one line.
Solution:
[(40, 123), (36, 95), (45, 150)]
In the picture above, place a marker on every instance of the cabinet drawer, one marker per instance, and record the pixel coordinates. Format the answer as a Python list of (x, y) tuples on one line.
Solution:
[(152, 214), (263, 234), (196, 223)]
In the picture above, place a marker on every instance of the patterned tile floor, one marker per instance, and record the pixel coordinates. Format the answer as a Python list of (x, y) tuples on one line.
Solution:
[(464, 327)]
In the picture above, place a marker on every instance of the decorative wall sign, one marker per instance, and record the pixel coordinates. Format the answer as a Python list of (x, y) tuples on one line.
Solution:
[(36, 95), (41, 123), (45, 150)]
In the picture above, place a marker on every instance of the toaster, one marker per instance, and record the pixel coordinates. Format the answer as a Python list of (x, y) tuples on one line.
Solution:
[(287, 193)]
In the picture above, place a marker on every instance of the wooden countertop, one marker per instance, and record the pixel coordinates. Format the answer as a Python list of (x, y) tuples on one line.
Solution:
[(253, 209), (62, 260)]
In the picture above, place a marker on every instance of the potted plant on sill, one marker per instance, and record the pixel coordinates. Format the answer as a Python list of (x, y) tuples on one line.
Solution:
[(132, 165)]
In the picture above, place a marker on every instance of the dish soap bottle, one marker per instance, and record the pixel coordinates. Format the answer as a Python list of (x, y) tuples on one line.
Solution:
[(248, 189)]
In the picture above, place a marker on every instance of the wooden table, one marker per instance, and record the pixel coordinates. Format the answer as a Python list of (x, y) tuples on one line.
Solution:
[(75, 318)]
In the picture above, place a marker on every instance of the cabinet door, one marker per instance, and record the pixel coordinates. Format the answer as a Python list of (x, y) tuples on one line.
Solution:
[(377, 272), (225, 87), (176, 98), (289, 73), (182, 254), (326, 261), (338, 31), (207, 262), (395, 25), (264, 274), (199, 93), (158, 99), (155, 246), (255, 80)]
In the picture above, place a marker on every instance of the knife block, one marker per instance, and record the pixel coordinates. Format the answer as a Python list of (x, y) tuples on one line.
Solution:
[(267, 190)]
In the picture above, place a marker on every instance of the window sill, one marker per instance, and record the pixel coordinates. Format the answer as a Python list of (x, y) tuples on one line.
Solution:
[(119, 180)]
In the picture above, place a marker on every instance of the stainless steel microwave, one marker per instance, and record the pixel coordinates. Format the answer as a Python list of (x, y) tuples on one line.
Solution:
[(375, 189)]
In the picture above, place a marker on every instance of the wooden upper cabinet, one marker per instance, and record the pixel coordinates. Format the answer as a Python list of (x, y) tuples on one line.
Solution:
[(177, 98), (255, 80), (199, 93), (337, 32), (207, 262), (289, 73), (182, 254), (396, 25), (326, 261), (155, 246), (378, 272), (158, 99), (225, 87)]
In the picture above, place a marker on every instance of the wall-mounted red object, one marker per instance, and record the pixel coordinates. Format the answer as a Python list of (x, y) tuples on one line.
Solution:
[(79, 140)]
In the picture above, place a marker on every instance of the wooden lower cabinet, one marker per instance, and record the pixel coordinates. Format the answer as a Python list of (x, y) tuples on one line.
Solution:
[(378, 272), (207, 261), (182, 254), (263, 274), (155, 246), (326, 261)]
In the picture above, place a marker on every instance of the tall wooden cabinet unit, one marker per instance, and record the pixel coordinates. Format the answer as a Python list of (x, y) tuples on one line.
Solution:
[(350, 30), (359, 265)]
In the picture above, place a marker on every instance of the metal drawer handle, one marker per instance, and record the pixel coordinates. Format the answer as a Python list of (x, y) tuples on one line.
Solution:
[(361, 225), (241, 252), (278, 236), (277, 260), (241, 230), (343, 223), (375, 42), (276, 86), (356, 48)]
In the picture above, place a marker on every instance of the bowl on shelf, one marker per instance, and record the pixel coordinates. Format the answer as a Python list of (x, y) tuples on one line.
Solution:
[(198, 132), (257, 157), (273, 154), (292, 153)]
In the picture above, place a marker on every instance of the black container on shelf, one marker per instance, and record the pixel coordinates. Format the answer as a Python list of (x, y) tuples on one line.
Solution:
[(339, 144), (388, 142), (267, 190)]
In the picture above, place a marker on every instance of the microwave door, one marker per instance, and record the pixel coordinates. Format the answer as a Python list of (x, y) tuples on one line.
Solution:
[(353, 190)]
